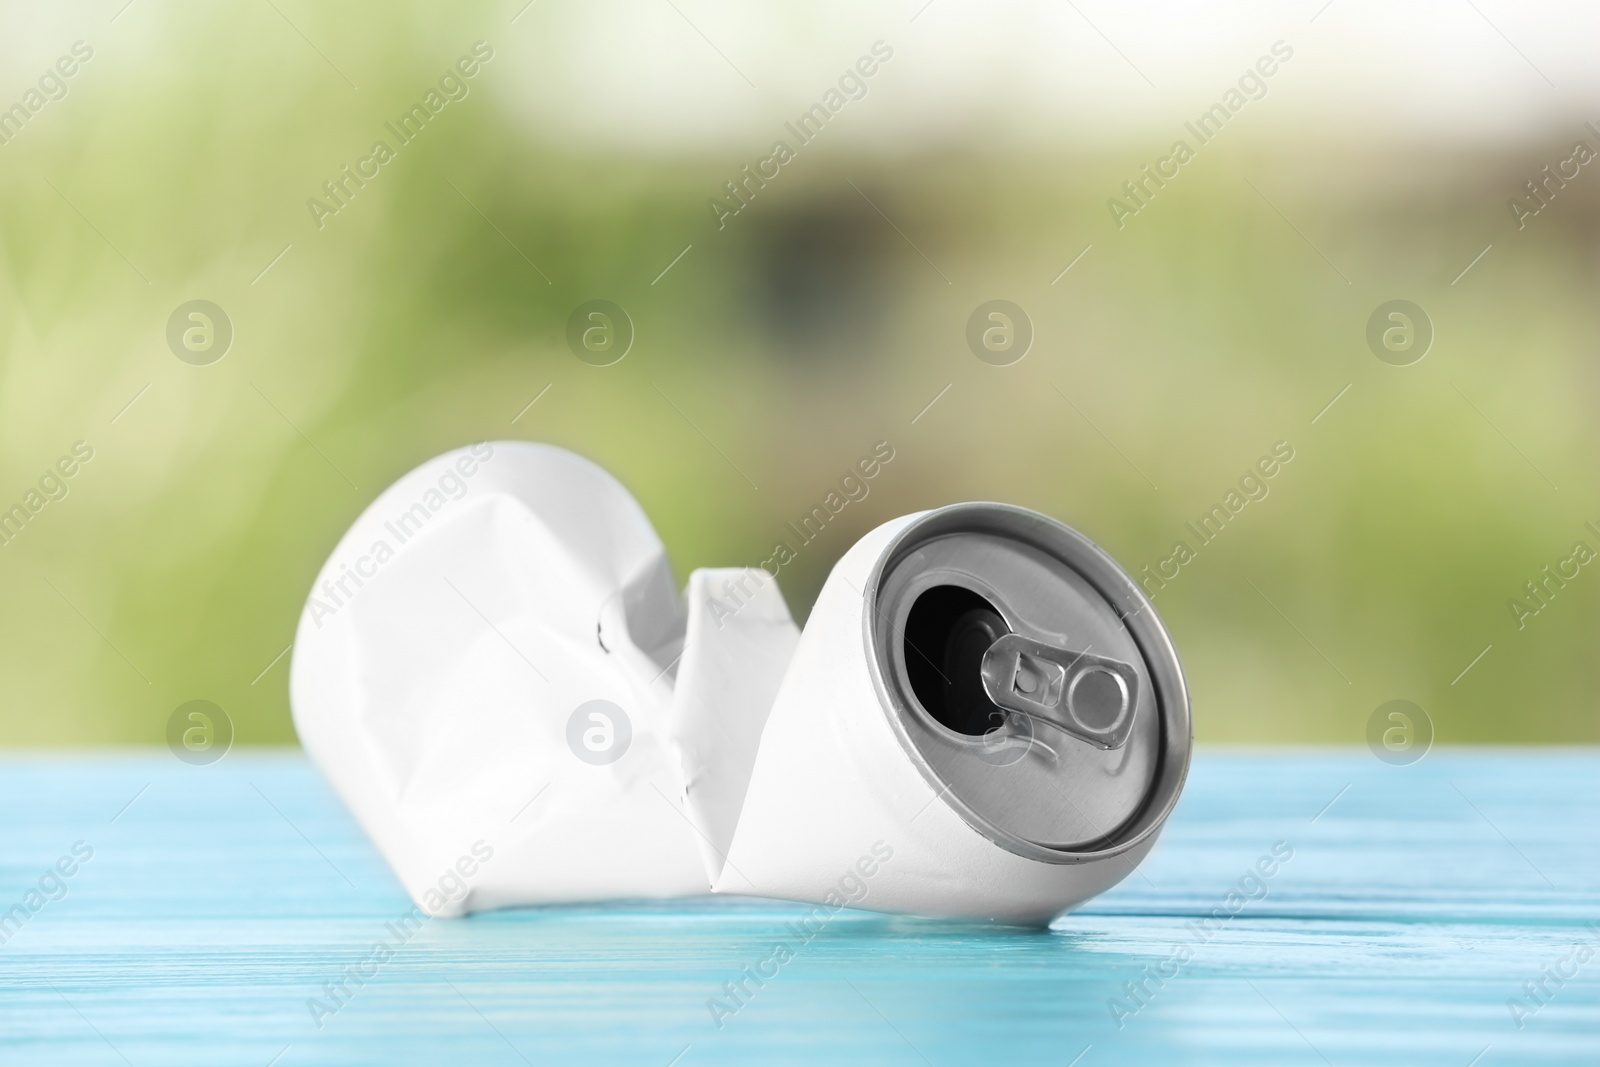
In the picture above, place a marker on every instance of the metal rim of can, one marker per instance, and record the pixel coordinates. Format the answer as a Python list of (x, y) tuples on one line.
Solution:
[(1119, 590)]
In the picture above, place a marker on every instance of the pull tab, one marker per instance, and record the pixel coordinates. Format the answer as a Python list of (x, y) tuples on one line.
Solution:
[(1090, 697)]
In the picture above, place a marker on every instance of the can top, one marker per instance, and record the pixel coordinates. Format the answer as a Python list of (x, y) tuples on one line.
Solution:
[(1029, 679)]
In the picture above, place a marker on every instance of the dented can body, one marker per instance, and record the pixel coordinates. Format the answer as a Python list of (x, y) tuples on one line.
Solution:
[(983, 718)]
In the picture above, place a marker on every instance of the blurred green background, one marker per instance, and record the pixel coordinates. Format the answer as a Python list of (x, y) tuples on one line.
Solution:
[(824, 317)]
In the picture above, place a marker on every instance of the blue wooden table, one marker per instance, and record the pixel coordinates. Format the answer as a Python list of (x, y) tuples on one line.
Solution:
[(1419, 908)]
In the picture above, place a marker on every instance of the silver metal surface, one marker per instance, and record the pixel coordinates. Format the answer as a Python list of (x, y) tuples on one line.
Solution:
[(1089, 697), (1029, 680)]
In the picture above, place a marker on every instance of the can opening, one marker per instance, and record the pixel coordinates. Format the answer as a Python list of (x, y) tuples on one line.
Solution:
[(948, 630)]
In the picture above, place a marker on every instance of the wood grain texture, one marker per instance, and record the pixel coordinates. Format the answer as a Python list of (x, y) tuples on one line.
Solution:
[(1413, 908)]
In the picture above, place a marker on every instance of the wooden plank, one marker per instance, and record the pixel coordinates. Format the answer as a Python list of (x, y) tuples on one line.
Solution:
[(1417, 901)]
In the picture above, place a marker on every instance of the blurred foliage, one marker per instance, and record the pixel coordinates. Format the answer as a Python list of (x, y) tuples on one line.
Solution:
[(432, 309)]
